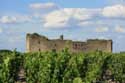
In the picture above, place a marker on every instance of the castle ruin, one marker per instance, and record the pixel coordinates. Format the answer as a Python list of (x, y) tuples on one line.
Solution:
[(36, 42)]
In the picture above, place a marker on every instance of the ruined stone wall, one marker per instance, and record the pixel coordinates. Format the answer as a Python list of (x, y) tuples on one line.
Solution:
[(35, 43), (103, 45), (92, 45)]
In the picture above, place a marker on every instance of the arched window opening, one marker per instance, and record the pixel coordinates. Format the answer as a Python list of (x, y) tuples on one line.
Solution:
[(38, 42), (74, 46), (39, 49), (55, 45)]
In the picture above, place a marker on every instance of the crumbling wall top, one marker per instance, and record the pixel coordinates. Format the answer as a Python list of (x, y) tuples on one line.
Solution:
[(36, 36)]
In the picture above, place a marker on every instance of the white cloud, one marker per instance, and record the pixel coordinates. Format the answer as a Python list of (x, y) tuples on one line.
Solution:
[(56, 18), (61, 18), (112, 2), (24, 18), (7, 19), (14, 19), (39, 10), (103, 37), (102, 29), (120, 29), (80, 14), (114, 11), (66, 17), (86, 23), (94, 22), (1, 30), (43, 5)]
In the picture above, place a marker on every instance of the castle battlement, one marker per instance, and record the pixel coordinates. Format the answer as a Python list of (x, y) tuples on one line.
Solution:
[(36, 42)]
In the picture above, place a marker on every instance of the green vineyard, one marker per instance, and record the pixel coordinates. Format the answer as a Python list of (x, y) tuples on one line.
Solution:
[(63, 67)]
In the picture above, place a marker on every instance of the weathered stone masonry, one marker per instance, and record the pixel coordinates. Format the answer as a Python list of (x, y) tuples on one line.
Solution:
[(36, 42)]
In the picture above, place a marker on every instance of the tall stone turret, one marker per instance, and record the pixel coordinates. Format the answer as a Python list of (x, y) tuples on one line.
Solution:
[(61, 37)]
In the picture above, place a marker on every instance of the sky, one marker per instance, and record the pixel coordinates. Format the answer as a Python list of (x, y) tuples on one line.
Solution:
[(75, 19)]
